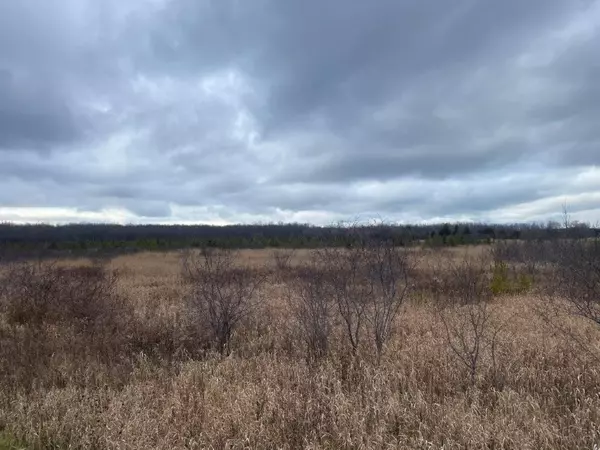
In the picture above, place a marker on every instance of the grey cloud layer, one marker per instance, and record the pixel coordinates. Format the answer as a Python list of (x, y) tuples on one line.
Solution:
[(282, 109)]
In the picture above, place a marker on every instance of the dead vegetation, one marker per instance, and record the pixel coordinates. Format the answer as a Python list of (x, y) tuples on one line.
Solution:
[(369, 346), (222, 293)]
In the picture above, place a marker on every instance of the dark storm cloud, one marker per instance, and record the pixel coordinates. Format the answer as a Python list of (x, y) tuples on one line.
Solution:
[(268, 109), (31, 118), (338, 58)]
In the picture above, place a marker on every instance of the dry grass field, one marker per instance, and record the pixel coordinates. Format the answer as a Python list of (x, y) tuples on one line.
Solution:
[(136, 372)]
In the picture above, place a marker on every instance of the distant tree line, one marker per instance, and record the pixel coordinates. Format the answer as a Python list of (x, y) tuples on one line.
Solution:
[(87, 238)]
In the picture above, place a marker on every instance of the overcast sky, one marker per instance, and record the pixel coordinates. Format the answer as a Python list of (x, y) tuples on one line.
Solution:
[(299, 110)]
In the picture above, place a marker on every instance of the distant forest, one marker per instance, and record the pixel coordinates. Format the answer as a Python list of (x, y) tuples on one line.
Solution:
[(88, 238)]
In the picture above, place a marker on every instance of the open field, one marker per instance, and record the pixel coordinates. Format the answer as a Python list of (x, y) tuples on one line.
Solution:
[(138, 372)]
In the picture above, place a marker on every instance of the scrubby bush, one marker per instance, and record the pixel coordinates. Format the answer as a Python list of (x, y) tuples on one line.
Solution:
[(577, 277), (463, 304), (222, 292), (311, 302), (39, 293), (368, 282)]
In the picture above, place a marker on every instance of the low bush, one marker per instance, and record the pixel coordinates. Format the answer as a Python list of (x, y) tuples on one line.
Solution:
[(47, 293)]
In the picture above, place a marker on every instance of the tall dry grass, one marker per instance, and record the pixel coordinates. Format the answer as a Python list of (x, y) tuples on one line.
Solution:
[(140, 375)]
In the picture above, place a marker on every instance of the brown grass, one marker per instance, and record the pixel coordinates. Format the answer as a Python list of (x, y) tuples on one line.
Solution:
[(148, 383)]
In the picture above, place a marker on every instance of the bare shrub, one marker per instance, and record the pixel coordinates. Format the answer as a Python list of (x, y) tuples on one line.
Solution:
[(44, 292), (523, 265), (89, 295), (369, 282), (464, 311), (516, 252), (578, 277), (389, 270), (57, 318), (28, 292), (573, 290), (282, 259), (311, 303), (350, 288), (222, 294), (468, 334), (460, 281)]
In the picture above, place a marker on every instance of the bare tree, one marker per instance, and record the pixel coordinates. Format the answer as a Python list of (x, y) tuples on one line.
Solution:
[(222, 292)]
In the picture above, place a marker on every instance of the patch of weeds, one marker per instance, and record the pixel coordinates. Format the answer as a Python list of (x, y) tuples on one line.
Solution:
[(9, 443), (505, 282)]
